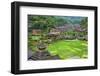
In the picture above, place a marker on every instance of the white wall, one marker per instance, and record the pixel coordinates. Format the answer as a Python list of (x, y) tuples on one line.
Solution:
[(5, 27)]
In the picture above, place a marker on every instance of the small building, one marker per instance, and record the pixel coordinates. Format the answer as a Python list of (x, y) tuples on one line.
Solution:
[(36, 32), (79, 29), (54, 32)]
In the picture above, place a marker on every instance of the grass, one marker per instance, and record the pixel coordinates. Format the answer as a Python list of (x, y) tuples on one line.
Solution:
[(36, 37), (66, 49)]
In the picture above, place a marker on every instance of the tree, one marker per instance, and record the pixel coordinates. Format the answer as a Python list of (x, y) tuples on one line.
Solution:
[(84, 23), (84, 27), (44, 22)]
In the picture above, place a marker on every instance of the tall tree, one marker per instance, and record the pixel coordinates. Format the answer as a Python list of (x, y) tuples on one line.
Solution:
[(84, 23), (44, 22), (84, 26)]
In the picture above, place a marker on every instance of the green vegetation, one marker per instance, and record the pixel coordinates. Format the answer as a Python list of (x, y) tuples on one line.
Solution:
[(36, 37), (68, 48), (44, 23), (62, 36)]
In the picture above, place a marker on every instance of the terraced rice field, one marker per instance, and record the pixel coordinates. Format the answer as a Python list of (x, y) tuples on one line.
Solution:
[(69, 49)]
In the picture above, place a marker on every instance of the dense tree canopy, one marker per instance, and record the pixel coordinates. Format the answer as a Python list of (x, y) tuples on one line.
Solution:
[(84, 23), (44, 22)]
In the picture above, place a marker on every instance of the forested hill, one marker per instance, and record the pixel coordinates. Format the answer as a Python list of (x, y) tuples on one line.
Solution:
[(73, 19), (45, 23)]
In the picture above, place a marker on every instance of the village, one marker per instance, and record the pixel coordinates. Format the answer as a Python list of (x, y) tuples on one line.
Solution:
[(56, 41)]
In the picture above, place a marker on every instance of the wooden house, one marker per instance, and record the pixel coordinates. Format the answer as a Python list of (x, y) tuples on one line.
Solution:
[(36, 32)]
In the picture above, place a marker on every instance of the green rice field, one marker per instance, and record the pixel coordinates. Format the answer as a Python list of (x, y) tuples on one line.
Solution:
[(69, 49)]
